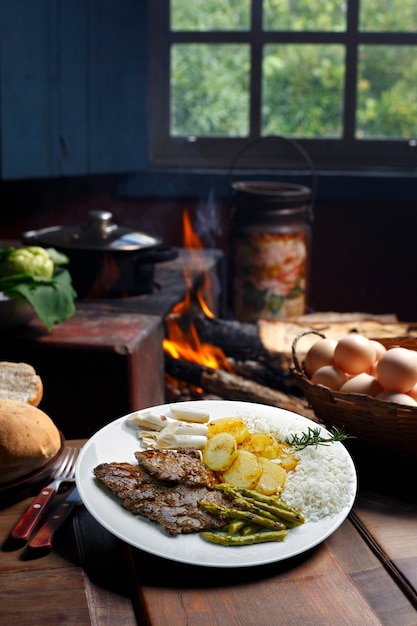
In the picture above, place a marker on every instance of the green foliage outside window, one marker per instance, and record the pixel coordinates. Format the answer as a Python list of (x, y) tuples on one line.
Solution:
[(210, 90), (302, 84), (296, 15), (210, 14), (302, 90)]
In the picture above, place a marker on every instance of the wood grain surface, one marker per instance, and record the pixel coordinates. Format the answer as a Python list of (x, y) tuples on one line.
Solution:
[(364, 574)]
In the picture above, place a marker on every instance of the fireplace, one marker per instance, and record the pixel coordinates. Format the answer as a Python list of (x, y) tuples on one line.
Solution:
[(108, 360)]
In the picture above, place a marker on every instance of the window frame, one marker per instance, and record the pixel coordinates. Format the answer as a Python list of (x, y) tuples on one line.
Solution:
[(208, 153)]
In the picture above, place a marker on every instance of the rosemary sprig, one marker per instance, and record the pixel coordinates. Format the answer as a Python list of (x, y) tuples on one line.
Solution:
[(314, 437)]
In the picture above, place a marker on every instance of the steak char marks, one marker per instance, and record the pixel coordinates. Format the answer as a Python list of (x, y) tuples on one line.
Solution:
[(166, 487), (121, 478), (171, 466)]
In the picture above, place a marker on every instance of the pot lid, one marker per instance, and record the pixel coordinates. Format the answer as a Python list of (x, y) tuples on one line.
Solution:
[(98, 233)]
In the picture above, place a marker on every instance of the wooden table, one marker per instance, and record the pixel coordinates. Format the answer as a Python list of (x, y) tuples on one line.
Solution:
[(364, 574)]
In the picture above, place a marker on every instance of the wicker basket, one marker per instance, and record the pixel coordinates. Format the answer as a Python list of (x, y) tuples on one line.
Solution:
[(379, 424)]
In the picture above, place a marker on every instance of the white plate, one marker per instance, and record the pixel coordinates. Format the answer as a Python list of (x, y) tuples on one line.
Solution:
[(119, 440)]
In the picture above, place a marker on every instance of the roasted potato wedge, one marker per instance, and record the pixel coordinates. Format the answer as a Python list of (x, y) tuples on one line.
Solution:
[(232, 425), (245, 471), (261, 444), (220, 451), (272, 480), (286, 457)]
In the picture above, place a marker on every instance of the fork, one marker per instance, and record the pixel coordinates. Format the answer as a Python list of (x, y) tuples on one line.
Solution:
[(65, 473)]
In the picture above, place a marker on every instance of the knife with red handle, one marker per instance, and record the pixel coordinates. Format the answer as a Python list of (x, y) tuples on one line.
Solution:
[(28, 521), (65, 473), (43, 538)]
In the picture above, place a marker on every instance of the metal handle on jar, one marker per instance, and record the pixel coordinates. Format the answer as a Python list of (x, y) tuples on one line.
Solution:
[(292, 143)]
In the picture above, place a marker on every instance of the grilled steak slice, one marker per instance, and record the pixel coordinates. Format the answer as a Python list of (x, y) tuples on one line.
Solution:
[(121, 478), (176, 466), (166, 487), (175, 507)]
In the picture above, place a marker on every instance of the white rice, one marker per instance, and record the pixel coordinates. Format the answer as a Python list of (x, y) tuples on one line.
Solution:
[(323, 483)]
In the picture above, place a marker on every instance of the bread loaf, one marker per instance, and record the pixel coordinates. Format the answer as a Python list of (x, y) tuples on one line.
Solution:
[(28, 439), (19, 381)]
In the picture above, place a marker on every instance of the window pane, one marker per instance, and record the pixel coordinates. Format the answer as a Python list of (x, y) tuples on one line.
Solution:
[(388, 15), (303, 90), (210, 90), (326, 15), (205, 15), (387, 92)]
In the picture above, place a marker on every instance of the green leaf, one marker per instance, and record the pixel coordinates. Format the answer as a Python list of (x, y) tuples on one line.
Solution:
[(51, 298), (52, 301), (9, 282)]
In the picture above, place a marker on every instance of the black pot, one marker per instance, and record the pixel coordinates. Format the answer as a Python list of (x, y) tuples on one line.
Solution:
[(105, 260)]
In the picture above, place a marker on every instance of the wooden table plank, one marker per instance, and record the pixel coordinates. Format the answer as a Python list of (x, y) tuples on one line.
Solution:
[(308, 588), (91, 578), (390, 527), (393, 523), (389, 602), (54, 583), (79, 582), (54, 599)]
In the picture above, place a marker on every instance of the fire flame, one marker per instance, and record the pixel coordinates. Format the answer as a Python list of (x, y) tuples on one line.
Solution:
[(182, 340)]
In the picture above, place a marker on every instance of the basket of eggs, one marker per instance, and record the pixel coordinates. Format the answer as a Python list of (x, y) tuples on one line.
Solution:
[(365, 386)]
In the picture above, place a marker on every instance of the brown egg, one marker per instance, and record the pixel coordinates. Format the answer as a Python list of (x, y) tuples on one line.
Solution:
[(354, 354), (362, 383), (413, 392), (320, 353), (379, 349), (399, 398), (397, 370), (329, 376)]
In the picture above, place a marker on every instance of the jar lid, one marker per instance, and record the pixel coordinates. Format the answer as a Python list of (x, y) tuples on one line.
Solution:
[(270, 196), (98, 233)]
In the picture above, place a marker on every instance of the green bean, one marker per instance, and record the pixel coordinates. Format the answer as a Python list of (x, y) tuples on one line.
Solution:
[(246, 503), (244, 540), (272, 501), (266, 506), (219, 509), (249, 529), (286, 515), (255, 495), (234, 526)]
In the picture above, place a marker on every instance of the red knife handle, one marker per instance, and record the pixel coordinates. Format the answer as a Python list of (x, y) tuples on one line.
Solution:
[(29, 520), (44, 537)]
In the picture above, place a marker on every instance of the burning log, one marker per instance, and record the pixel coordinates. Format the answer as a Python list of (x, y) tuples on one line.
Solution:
[(242, 343), (238, 339), (230, 386)]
